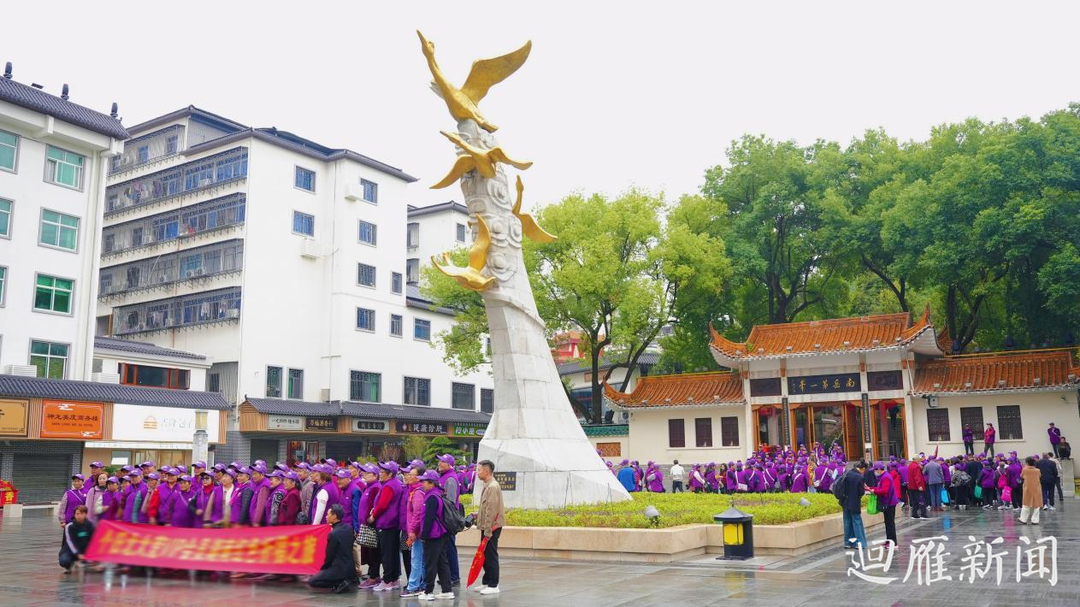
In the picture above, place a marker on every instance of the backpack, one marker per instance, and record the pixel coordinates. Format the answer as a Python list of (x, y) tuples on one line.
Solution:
[(839, 490), (453, 520)]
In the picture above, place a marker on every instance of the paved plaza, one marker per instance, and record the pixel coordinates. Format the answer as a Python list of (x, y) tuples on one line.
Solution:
[(29, 575)]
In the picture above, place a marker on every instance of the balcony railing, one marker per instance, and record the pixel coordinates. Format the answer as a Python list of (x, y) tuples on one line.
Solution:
[(203, 174), (188, 311), (164, 270), (148, 149), (203, 218)]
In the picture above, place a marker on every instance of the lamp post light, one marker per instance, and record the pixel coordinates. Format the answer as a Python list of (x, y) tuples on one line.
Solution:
[(738, 534)]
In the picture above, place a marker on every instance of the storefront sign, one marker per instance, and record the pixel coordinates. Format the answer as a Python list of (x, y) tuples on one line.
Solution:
[(293, 423), (824, 384), (507, 480), (370, 425), (320, 424), (13, 415), (885, 380), (71, 420), (420, 428), (766, 386), (295, 549), (159, 424), (469, 429)]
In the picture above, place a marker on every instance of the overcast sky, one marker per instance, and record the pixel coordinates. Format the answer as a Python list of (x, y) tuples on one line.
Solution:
[(614, 95)]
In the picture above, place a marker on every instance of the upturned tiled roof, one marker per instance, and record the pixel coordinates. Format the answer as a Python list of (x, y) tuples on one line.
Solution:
[(137, 347), (827, 336), (61, 109), (580, 365), (66, 389), (689, 389), (985, 372)]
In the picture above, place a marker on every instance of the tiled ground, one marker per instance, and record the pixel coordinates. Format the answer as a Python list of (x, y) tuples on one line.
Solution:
[(29, 575)]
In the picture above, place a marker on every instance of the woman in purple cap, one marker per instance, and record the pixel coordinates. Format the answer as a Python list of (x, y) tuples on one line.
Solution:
[(386, 518), (886, 495), (290, 504), (136, 497), (94, 492), (277, 493), (326, 493), (96, 469), (72, 499), (110, 500), (361, 511), (434, 536), (175, 512)]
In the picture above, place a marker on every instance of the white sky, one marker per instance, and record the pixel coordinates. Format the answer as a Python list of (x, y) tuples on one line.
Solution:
[(614, 94)]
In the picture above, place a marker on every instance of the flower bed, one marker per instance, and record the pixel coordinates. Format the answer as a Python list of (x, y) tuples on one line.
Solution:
[(677, 509)]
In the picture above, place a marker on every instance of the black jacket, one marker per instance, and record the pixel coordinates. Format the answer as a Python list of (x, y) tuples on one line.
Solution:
[(339, 558), (974, 470), (1047, 471), (77, 537), (855, 491)]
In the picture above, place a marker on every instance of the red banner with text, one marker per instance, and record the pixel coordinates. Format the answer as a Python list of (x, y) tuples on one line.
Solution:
[(298, 549)]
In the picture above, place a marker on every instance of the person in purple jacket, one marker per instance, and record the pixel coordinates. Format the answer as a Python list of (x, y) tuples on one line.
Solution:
[(385, 517), (369, 556), (771, 481), (137, 496), (96, 469), (986, 481), (259, 507), (755, 479), (902, 470), (343, 479), (277, 495), (434, 536), (1055, 439), (202, 497), (73, 498), (886, 496), (1012, 473), (176, 512), (655, 479), (697, 481), (969, 440), (639, 475), (326, 494)]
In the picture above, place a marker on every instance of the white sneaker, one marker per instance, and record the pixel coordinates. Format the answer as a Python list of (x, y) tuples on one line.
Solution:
[(490, 590), (478, 588), (426, 597), (445, 595), (381, 587), (1053, 508)]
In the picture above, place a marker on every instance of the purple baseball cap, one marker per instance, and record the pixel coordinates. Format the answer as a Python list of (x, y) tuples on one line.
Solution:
[(78, 476), (430, 475), (259, 461), (292, 475), (330, 462), (280, 466), (231, 472), (277, 474), (447, 458), (171, 471), (220, 467), (126, 468), (186, 479), (181, 469), (96, 465), (199, 464), (343, 473), (153, 476), (146, 464), (244, 470), (370, 468), (304, 466), (257, 467), (390, 467), (113, 479)]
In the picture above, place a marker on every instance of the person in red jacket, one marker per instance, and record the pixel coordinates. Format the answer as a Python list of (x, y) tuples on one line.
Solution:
[(916, 483), (290, 504)]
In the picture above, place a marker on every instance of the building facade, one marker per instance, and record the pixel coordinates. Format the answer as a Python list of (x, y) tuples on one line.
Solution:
[(54, 156), (878, 386), (279, 259)]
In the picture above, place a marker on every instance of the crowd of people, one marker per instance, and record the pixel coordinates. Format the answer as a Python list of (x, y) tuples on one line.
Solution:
[(384, 518)]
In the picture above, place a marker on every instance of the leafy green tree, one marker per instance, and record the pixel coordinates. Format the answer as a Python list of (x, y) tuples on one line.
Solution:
[(440, 445), (416, 446)]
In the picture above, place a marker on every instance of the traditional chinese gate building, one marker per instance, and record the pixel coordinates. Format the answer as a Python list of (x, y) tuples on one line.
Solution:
[(877, 385)]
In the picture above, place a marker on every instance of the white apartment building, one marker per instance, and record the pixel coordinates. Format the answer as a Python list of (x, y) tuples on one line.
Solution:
[(282, 261), (53, 158)]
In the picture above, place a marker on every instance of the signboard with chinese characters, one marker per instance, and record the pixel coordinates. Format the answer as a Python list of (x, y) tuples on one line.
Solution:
[(320, 424), (71, 420), (824, 384), (420, 428), (469, 429), (766, 386), (293, 423), (507, 480), (885, 380), (13, 415), (159, 424), (371, 425)]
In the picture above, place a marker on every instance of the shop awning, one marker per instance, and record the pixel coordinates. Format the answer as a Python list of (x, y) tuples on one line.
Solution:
[(90, 391)]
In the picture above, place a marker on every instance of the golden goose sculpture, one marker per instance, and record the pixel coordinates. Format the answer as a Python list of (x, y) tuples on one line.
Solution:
[(528, 224), (474, 158), (470, 276)]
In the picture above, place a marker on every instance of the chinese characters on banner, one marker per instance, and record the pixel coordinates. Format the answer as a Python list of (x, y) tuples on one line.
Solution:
[(823, 384), (420, 428), (296, 549), (982, 559), (469, 429), (71, 420), (320, 424)]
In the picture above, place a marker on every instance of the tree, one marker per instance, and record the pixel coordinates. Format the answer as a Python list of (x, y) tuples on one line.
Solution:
[(440, 445), (416, 446)]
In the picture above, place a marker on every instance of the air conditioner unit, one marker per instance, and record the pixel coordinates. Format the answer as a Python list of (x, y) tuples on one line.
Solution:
[(324, 394), (310, 248), (354, 192), (21, 370), (931, 402), (105, 378)]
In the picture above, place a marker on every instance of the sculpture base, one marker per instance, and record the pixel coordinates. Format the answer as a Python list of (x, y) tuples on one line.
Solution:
[(550, 473)]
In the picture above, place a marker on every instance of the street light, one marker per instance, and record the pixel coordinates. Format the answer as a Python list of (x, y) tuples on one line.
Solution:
[(738, 534)]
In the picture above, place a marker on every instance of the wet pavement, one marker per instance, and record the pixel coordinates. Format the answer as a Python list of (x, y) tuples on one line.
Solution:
[(29, 575)]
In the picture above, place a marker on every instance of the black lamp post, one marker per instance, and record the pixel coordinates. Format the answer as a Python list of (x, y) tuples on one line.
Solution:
[(738, 533)]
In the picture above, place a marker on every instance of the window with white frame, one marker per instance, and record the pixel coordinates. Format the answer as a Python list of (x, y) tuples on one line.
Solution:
[(365, 386), (365, 275), (417, 391), (412, 235), (412, 271), (461, 232), (422, 329), (59, 230), (463, 396), (305, 179), (371, 191), (395, 282), (365, 319), (52, 294), (9, 150), (369, 233), (63, 167), (273, 382), (395, 325), (5, 217), (302, 223), (49, 358), (296, 384)]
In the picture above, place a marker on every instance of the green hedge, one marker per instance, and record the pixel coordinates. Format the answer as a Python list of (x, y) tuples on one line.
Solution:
[(677, 509)]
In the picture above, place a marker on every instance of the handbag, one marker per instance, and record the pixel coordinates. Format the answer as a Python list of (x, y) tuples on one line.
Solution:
[(367, 537), (741, 487), (403, 541), (871, 505), (1006, 494), (944, 495), (978, 491)]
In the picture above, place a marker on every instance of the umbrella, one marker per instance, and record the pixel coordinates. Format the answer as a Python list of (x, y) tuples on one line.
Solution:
[(477, 562)]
